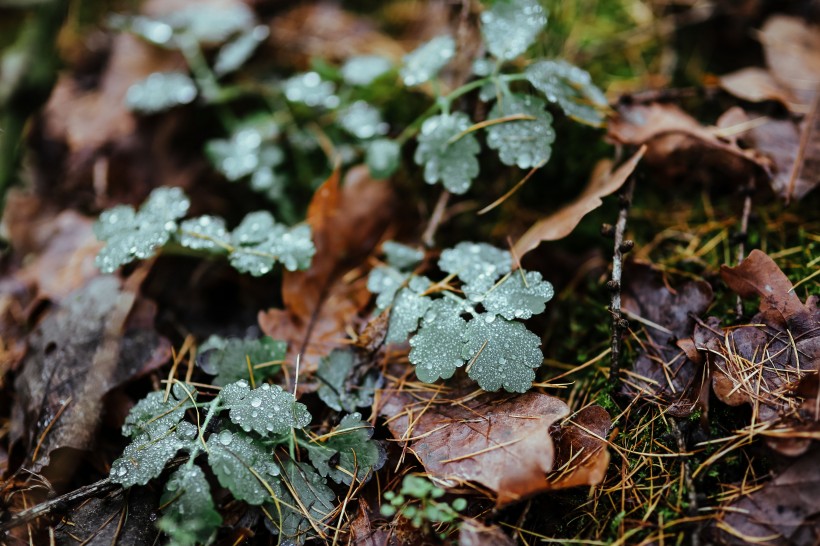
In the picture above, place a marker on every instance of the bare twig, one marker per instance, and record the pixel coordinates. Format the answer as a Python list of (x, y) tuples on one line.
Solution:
[(614, 285), (435, 219), (98, 488), (743, 234), (692, 509)]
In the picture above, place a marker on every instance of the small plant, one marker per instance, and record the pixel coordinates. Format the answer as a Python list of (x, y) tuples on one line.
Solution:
[(479, 328), (417, 502), (248, 436)]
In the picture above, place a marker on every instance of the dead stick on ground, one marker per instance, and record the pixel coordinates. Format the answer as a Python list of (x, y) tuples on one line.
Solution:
[(57, 503), (614, 285), (435, 219), (692, 509), (742, 235)]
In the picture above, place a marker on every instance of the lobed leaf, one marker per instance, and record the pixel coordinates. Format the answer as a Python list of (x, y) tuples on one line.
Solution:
[(438, 347), (425, 62), (447, 154), (408, 308), (401, 256), (502, 353), (509, 27), (259, 243), (204, 233), (523, 143), (357, 453), (364, 69), (189, 516), (244, 466), (237, 52), (148, 454), (335, 371), (227, 359), (571, 88), (310, 89), (383, 157), (267, 409), (160, 91), (478, 265), (316, 501), (154, 415), (518, 296), (362, 120)]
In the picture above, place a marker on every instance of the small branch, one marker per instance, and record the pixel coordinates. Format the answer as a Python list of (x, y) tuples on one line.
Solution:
[(614, 285), (692, 509), (743, 234), (435, 219), (58, 503)]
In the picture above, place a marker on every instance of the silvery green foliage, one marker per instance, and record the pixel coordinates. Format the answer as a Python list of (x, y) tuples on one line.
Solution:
[(509, 27), (364, 69), (131, 235), (227, 358), (309, 88), (402, 257), (249, 148), (189, 517), (211, 23), (382, 157), (205, 233), (244, 466), (358, 455), (259, 242), (339, 389), (427, 60), (235, 53), (314, 495), (160, 91), (480, 331), (448, 155), (362, 120), (266, 410), (146, 456), (571, 88), (156, 415), (523, 143)]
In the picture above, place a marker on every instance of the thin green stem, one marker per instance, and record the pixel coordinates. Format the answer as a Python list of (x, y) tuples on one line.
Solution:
[(213, 409)]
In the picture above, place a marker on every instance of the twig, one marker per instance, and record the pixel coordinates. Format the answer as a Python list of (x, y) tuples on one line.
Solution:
[(435, 219), (742, 235), (57, 503), (621, 247), (692, 510)]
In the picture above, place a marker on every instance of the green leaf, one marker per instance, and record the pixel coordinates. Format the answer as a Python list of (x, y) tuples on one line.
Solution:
[(160, 91), (438, 347), (408, 308), (364, 69), (156, 32), (513, 298), (248, 149), (502, 353), (237, 52), (204, 233), (212, 23), (259, 243), (244, 466), (189, 516), (446, 157), (227, 359), (383, 157), (351, 442), (312, 90), (425, 62), (570, 87), (147, 455), (335, 371), (384, 281), (523, 143), (362, 120), (477, 264), (511, 26), (267, 409), (401, 256), (315, 497), (129, 235)]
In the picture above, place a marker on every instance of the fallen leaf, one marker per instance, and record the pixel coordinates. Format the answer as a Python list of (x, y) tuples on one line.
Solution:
[(756, 84), (792, 50), (664, 315), (499, 441), (121, 517), (475, 533), (321, 304), (561, 223), (581, 454), (81, 350), (362, 531)]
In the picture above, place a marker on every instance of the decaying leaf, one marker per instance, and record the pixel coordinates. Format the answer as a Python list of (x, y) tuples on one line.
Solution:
[(499, 441), (474, 533), (561, 223), (124, 517), (792, 49), (581, 456), (757, 85)]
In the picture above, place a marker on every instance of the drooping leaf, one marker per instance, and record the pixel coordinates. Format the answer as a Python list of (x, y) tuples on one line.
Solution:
[(502, 353), (335, 371), (519, 296), (438, 347), (129, 235), (362, 120), (509, 27), (161, 91), (402, 257), (227, 359), (189, 516), (524, 143), (266, 409), (314, 495), (309, 88), (477, 264), (147, 455), (364, 69), (244, 466), (425, 62), (383, 157), (204, 233), (357, 452), (451, 162), (571, 88), (408, 308), (237, 52)]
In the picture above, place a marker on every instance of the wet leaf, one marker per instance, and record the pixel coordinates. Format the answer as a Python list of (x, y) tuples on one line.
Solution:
[(161, 91), (402, 257), (227, 359), (408, 308), (267, 410), (479, 265), (363, 121), (571, 88), (518, 296), (205, 233), (244, 466), (310, 89), (248, 149), (259, 242), (509, 27), (383, 158), (424, 63), (189, 517), (314, 495), (212, 22), (155, 415), (453, 163), (148, 453), (237, 52), (337, 390), (523, 143), (352, 442), (364, 69), (437, 348)]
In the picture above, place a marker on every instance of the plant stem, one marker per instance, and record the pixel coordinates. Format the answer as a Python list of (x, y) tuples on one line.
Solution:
[(435, 219), (213, 409)]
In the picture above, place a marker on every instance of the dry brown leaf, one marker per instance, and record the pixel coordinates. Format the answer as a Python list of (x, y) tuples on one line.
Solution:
[(321, 304), (792, 50), (500, 441), (756, 84), (474, 533), (581, 454), (561, 223)]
